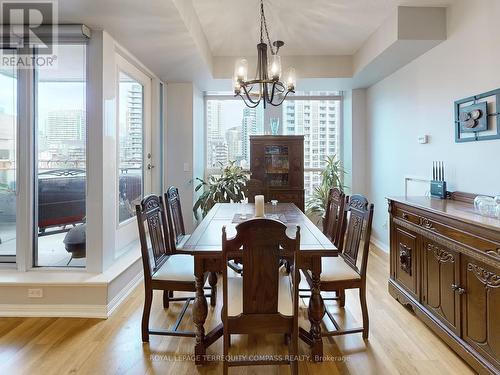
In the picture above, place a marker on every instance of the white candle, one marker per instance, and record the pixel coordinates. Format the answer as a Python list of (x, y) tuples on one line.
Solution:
[(259, 206)]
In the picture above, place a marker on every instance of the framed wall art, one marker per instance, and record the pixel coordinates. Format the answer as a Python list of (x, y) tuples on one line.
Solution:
[(477, 117)]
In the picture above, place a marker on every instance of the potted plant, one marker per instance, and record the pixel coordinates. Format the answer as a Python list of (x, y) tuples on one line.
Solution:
[(227, 187), (331, 176)]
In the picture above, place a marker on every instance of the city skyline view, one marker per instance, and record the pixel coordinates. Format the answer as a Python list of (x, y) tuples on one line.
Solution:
[(230, 124)]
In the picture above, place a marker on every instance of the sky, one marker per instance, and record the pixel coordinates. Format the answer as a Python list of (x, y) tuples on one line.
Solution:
[(232, 114)]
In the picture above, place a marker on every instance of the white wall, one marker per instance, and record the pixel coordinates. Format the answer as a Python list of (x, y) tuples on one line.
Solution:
[(180, 145), (353, 140), (199, 151), (418, 99)]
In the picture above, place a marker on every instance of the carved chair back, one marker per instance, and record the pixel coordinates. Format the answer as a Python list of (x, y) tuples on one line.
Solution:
[(335, 217), (360, 216), (174, 216), (261, 244), (253, 187), (152, 234)]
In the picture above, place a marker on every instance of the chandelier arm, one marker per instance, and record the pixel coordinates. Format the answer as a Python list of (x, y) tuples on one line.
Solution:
[(247, 94), (282, 100), (273, 90), (252, 105), (280, 87)]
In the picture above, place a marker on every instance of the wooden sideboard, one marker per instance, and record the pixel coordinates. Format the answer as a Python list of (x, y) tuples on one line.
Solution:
[(278, 161), (445, 265)]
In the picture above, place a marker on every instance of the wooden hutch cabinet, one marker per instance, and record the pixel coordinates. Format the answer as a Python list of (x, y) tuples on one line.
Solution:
[(278, 161), (445, 265)]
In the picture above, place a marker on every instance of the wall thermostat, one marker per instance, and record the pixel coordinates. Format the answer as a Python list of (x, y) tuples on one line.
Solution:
[(423, 139)]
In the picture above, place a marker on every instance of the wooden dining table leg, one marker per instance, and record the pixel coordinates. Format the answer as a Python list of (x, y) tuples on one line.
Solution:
[(200, 311), (316, 311)]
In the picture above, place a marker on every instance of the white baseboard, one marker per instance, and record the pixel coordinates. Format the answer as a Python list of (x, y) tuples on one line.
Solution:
[(382, 246), (71, 310), (124, 293), (52, 311)]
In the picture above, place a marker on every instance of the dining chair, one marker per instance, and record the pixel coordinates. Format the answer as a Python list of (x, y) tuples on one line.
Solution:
[(176, 227), (334, 224), (177, 234), (345, 272), (164, 269), (263, 300)]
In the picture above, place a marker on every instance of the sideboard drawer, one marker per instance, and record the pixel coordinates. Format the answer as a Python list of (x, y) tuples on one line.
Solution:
[(407, 216)]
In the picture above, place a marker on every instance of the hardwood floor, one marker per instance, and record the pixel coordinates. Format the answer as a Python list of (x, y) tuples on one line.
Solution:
[(399, 343)]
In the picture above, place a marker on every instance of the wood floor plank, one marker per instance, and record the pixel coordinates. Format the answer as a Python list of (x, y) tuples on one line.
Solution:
[(399, 342)]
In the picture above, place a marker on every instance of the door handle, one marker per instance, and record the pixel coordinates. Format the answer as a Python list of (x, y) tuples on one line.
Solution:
[(150, 166)]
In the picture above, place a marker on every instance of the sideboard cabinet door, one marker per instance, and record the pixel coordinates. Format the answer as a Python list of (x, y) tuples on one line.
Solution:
[(406, 260), (440, 283), (481, 309)]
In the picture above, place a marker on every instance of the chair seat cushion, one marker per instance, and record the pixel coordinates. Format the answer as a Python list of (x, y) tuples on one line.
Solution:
[(336, 269), (235, 295), (178, 267)]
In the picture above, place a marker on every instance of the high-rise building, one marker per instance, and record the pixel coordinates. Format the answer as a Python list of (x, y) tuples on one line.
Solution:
[(214, 130), (234, 144), (248, 127), (220, 154), (317, 120), (133, 150), (65, 127), (64, 140)]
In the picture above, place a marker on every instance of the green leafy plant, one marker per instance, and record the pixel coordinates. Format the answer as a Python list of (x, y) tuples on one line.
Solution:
[(227, 187), (331, 176)]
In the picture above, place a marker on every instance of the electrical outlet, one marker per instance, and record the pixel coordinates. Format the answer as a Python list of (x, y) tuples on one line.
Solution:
[(35, 293)]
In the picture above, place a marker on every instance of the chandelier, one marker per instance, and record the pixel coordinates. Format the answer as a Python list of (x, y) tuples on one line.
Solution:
[(267, 86)]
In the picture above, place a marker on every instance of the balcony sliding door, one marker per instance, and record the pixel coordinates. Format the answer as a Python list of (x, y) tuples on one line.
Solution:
[(60, 160), (8, 160)]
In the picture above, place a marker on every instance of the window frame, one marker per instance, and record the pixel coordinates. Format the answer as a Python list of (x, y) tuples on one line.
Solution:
[(126, 230)]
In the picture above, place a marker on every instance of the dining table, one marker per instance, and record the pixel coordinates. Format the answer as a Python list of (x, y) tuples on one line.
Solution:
[(205, 244)]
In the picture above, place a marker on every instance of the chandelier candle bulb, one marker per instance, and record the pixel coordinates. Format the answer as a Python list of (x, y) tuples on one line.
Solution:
[(241, 70), (275, 68), (291, 79), (259, 206)]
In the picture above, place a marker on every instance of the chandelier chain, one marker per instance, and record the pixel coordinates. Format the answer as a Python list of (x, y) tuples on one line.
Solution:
[(263, 28)]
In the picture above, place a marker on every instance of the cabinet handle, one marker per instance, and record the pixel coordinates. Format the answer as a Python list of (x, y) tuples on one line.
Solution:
[(457, 289), (405, 216)]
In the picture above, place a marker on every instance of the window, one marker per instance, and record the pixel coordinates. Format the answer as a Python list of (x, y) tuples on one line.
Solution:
[(134, 169), (130, 113), (229, 127), (8, 159), (229, 124), (61, 167)]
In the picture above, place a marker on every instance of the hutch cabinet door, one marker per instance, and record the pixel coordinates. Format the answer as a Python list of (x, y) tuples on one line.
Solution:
[(296, 156), (257, 161), (481, 307), (440, 283), (406, 259)]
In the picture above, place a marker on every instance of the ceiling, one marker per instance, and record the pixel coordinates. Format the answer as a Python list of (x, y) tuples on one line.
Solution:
[(178, 39), (308, 27), (151, 30)]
